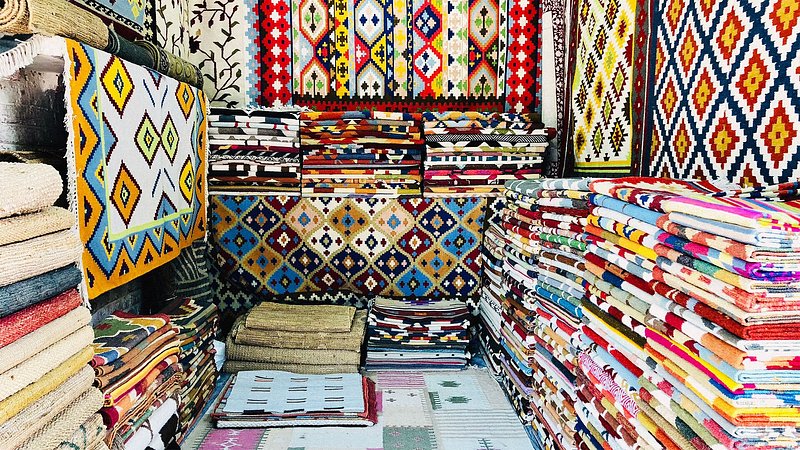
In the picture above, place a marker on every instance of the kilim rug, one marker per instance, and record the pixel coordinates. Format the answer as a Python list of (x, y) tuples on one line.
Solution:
[(726, 99), (416, 410), (607, 111), (130, 18), (408, 55), (408, 247), (137, 148)]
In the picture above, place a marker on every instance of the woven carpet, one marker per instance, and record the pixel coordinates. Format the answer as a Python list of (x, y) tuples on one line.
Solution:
[(26, 188), (726, 96), (280, 245), (416, 410), (148, 202), (23, 227)]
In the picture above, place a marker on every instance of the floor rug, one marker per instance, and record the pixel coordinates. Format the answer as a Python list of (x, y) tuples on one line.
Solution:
[(394, 247), (456, 410), (137, 143), (726, 98)]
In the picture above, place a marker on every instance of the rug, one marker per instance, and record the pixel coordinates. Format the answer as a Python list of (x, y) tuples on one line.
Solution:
[(66, 422), (410, 247), (22, 294), (145, 204), (300, 318), (416, 410), (33, 317), (23, 260), (131, 19), (28, 226), (191, 273), (608, 94), (27, 188), (725, 99), (86, 436)]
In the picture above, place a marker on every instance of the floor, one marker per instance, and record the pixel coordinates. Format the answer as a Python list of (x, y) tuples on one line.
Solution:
[(465, 410)]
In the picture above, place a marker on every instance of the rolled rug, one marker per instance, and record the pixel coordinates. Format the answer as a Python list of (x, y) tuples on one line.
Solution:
[(27, 226), (22, 294), (39, 255), (172, 66), (24, 424), (88, 436), (25, 188), (311, 369), (38, 365), (66, 422), (24, 398), (40, 339), (22, 322), (54, 18)]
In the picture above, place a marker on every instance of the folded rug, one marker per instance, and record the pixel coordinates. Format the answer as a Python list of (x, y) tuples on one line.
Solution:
[(88, 436), (283, 317), (312, 369), (117, 334), (240, 352), (17, 296), (32, 343), (23, 425), (23, 260), (53, 17), (26, 188), (23, 227), (151, 430), (138, 354), (35, 367), (66, 422), (116, 390), (25, 321), (56, 377), (350, 340)]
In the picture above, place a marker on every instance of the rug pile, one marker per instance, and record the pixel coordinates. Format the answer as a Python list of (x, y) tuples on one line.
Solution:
[(254, 151), (304, 339), (46, 393)]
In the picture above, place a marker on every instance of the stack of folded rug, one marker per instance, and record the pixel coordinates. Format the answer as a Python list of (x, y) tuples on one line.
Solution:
[(721, 298), (493, 288), (562, 210), (475, 153), (254, 151), (312, 339), (197, 327), (361, 153), (271, 398), (418, 334), (137, 367), (46, 392)]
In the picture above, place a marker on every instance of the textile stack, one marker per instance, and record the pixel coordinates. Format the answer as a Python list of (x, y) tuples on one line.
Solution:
[(310, 339), (720, 324), (254, 151), (476, 153), (418, 334), (271, 398), (137, 366), (563, 206), (361, 153), (46, 392), (493, 288), (197, 328)]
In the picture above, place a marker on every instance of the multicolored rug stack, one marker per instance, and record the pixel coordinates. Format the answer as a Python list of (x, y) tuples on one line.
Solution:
[(493, 288), (418, 334), (46, 393), (361, 153), (254, 151), (720, 280), (474, 153), (197, 328), (272, 398), (559, 290), (137, 367), (310, 339)]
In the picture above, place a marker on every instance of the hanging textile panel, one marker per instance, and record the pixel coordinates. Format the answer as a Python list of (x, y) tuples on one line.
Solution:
[(609, 86), (139, 145), (726, 99), (279, 245)]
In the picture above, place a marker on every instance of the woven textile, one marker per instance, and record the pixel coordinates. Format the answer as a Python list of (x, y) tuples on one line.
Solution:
[(142, 136), (26, 188), (27, 259), (22, 294), (279, 245), (131, 18), (29, 319), (24, 227), (88, 436), (66, 422), (725, 102), (120, 332), (609, 86)]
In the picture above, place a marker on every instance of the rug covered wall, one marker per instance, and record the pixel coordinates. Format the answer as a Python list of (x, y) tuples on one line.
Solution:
[(726, 82), (137, 143)]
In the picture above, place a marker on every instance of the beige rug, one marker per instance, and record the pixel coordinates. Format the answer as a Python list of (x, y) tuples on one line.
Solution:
[(88, 436), (236, 366), (28, 226), (26, 188), (309, 340), (55, 18), (309, 318), (23, 260), (66, 422)]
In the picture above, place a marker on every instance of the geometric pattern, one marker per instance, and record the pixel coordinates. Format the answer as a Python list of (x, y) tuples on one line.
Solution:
[(273, 245), (726, 102), (132, 19), (606, 99), (138, 143)]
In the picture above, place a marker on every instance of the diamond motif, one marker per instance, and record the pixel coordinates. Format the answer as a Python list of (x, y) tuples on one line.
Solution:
[(126, 194), (169, 138), (117, 83), (147, 139)]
